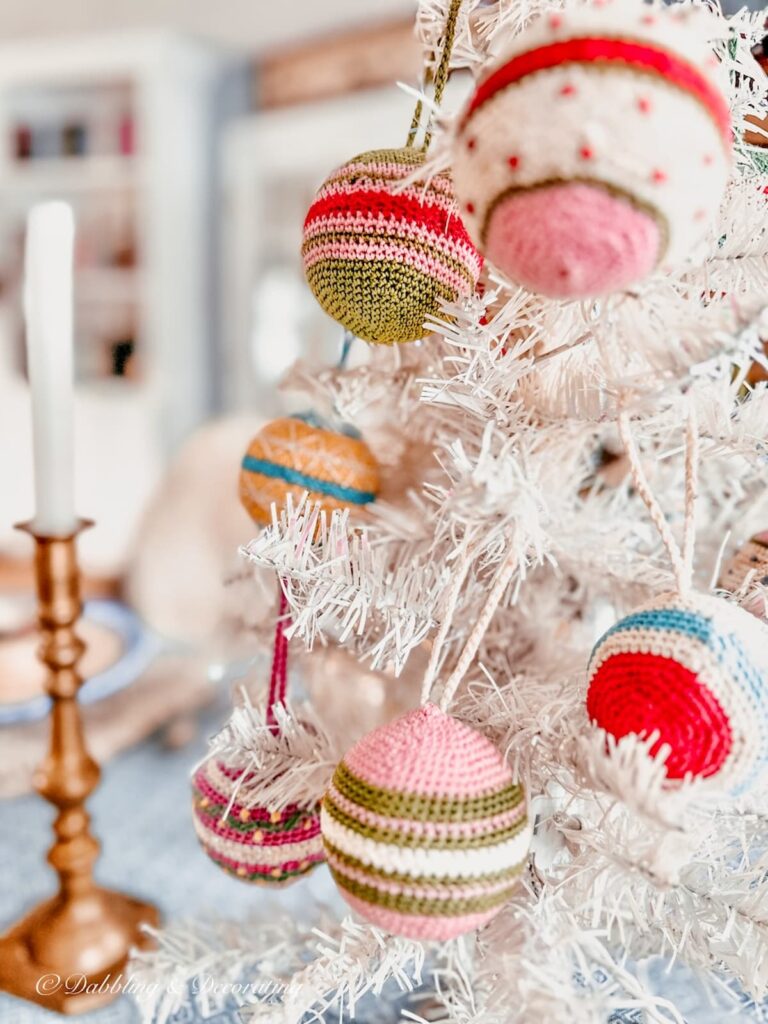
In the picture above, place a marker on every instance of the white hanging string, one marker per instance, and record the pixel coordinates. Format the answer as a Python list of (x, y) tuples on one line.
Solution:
[(445, 625), (681, 559), (691, 489), (503, 576)]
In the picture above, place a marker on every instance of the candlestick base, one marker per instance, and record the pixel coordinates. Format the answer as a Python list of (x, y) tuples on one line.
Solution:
[(68, 955)]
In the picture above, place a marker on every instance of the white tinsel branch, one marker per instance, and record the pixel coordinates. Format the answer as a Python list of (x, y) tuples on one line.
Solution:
[(349, 964), (290, 764)]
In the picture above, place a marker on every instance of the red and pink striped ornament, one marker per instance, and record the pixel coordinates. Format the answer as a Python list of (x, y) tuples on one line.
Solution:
[(383, 250), (252, 843), (268, 846)]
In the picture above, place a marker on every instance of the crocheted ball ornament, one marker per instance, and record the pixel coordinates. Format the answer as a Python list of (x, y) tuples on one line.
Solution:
[(694, 670), (424, 829), (254, 844), (297, 454), (597, 149), (380, 257), (750, 560)]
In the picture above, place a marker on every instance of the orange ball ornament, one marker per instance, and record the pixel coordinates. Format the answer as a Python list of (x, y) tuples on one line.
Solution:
[(301, 453)]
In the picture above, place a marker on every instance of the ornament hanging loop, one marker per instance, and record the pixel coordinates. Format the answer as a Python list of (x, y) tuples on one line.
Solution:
[(503, 576), (439, 77), (681, 558), (445, 625), (278, 682)]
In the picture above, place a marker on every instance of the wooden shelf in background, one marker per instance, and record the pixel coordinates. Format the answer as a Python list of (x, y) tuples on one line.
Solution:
[(346, 63)]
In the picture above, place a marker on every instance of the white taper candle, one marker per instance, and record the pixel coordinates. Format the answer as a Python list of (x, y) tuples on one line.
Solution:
[(48, 313)]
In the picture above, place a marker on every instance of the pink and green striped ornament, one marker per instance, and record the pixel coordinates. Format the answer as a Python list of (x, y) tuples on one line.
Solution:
[(424, 825), (425, 830)]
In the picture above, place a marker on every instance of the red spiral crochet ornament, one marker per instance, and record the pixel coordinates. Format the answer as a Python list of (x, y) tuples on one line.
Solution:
[(644, 693), (686, 671), (692, 671), (256, 844)]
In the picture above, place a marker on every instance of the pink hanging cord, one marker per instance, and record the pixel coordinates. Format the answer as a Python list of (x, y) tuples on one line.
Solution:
[(278, 682)]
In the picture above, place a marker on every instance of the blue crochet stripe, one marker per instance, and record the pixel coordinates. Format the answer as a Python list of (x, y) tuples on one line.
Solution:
[(674, 620), (725, 646), (310, 483)]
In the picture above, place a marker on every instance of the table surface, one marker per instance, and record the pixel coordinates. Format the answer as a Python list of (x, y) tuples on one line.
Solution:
[(141, 814)]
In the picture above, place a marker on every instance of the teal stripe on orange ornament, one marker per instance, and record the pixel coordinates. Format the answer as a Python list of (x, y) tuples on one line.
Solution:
[(311, 483)]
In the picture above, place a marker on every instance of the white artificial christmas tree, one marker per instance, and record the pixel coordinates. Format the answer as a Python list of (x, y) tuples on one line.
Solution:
[(499, 442)]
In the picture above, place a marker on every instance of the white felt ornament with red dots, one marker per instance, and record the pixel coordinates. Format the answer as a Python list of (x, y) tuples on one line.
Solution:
[(596, 150)]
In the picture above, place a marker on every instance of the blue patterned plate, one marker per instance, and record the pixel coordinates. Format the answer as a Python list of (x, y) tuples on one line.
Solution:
[(138, 648)]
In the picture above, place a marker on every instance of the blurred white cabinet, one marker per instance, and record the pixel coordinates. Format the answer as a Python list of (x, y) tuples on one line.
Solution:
[(123, 127)]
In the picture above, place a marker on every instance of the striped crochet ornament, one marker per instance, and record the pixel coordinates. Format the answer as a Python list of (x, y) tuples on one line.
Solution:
[(254, 844), (694, 670), (751, 561), (425, 831), (380, 256), (597, 149), (258, 844), (303, 453)]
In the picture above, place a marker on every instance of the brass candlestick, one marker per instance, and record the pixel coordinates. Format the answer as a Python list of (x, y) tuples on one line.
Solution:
[(68, 953)]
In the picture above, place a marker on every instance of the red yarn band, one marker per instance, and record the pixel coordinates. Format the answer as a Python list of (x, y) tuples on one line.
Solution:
[(375, 201), (641, 693), (639, 56), (278, 682)]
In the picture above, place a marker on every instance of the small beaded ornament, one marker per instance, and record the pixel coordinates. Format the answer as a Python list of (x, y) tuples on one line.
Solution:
[(256, 844), (303, 453), (686, 668), (574, 158), (425, 829), (382, 251), (749, 566)]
